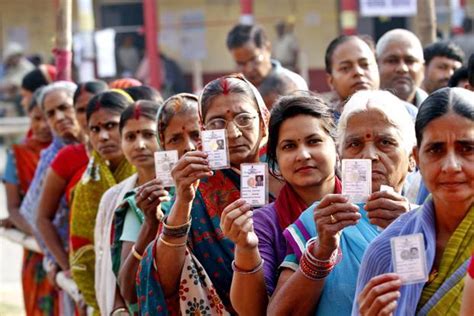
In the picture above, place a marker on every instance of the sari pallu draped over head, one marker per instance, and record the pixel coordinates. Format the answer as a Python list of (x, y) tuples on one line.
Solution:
[(207, 274), (96, 180), (441, 296)]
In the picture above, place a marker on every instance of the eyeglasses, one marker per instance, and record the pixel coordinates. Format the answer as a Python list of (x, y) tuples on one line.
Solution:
[(242, 121)]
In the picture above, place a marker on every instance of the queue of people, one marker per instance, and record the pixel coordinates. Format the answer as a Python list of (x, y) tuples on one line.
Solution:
[(84, 184)]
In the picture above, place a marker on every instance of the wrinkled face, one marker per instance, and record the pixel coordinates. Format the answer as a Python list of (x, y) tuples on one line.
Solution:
[(353, 68), (104, 135), (401, 69), (59, 111), (182, 133), (25, 99), (244, 143), (438, 72), (370, 136), (139, 142), (81, 106), (446, 158), (253, 62), (306, 154), (39, 127)]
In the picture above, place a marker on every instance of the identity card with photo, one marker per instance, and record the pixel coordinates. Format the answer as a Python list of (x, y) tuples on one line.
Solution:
[(409, 258), (214, 143), (164, 163), (254, 183), (357, 179)]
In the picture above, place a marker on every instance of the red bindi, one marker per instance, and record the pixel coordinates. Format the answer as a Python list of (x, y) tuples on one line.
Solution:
[(368, 136)]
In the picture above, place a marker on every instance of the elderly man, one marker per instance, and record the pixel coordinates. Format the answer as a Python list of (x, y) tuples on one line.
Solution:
[(251, 50), (442, 59), (401, 65)]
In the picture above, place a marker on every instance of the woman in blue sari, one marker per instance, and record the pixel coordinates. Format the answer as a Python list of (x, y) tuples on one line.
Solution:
[(187, 269), (445, 155), (326, 243)]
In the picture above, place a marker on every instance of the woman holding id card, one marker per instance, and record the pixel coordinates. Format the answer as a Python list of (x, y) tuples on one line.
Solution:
[(445, 155), (188, 267)]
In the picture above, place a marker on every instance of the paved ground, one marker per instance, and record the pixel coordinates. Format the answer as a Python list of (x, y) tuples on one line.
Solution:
[(11, 296)]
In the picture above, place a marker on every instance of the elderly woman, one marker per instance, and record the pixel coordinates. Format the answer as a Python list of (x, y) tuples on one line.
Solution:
[(188, 269), (444, 153), (315, 279)]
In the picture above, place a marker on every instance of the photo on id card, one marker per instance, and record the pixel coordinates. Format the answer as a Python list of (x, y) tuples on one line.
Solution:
[(409, 258), (254, 183), (356, 179), (214, 144), (164, 163)]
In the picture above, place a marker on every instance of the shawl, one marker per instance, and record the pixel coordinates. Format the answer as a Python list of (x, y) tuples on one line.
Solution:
[(207, 274), (289, 205), (30, 202), (105, 281), (339, 288), (443, 295), (97, 179)]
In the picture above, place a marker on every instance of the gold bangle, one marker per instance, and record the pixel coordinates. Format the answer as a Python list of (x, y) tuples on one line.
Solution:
[(172, 245), (135, 253), (165, 219)]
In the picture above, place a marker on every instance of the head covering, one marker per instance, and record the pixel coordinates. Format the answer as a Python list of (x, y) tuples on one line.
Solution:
[(176, 108), (124, 83), (263, 112)]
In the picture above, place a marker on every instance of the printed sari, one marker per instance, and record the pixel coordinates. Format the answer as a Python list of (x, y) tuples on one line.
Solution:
[(207, 274), (39, 295), (339, 288), (442, 295), (97, 179)]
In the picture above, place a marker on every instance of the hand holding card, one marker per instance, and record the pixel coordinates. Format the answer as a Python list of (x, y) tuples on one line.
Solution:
[(356, 179), (409, 258), (164, 163), (214, 144)]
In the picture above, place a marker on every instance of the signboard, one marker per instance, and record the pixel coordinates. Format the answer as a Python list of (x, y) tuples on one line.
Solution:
[(391, 8)]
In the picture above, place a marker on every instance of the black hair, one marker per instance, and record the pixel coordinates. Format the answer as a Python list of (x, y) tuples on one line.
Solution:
[(458, 75), (341, 39), (141, 108), (34, 80), (110, 100), (144, 93), (470, 70), (277, 82), (443, 49), (441, 102), (301, 103), (94, 87), (243, 33)]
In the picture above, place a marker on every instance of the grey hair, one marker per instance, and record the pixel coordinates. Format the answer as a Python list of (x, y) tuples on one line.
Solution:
[(384, 102), (401, 35), (67, 86)]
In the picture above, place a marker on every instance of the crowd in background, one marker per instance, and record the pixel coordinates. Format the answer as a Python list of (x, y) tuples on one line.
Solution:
[(82, 183)]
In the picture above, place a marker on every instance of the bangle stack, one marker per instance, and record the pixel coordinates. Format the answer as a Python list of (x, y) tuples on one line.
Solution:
[(135, 253), (314, 268), (176, 231)]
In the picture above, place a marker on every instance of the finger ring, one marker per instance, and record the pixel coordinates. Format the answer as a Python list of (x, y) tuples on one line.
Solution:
[(149, 198), (333, 219)]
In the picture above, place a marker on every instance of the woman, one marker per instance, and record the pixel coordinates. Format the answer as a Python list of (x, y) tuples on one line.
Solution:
[(444, 153), (136, 221), (107, 166), (138, 138), (61, 177), (314, 279), (39, 295), (193, 259), (302, 152)]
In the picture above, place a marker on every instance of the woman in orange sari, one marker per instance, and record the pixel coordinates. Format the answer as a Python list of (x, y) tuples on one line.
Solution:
[(38, 293)]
